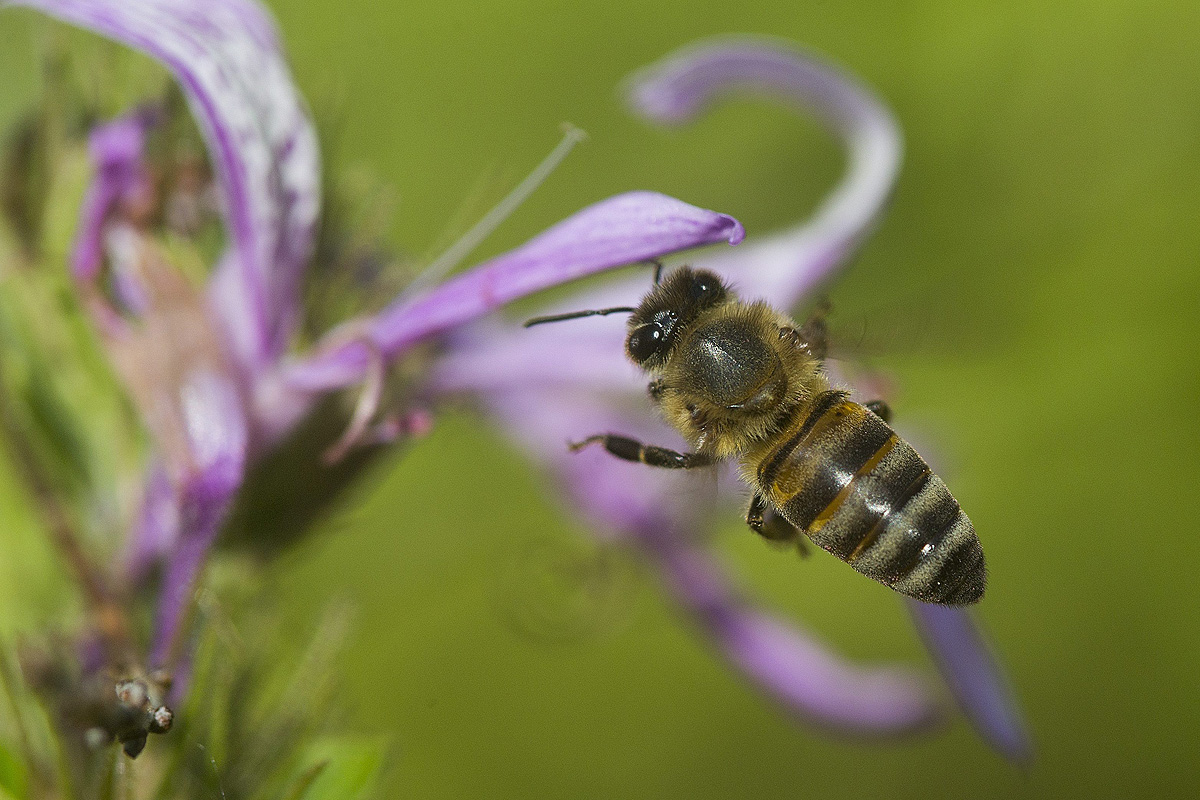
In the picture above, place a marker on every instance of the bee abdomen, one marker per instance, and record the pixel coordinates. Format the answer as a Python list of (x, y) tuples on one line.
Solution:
[(863, 494)]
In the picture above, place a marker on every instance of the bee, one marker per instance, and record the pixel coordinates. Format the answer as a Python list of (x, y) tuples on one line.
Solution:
[(739, 380)]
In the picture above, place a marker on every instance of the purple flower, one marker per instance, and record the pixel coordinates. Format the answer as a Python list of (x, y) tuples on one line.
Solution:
[(210, 370), (214, 373), (553, 384)]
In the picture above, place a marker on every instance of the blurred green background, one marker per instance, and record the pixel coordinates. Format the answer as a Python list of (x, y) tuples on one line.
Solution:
[(1043, 237)]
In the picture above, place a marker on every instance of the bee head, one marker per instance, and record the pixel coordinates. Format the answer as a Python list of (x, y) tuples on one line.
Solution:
[(669, 308)]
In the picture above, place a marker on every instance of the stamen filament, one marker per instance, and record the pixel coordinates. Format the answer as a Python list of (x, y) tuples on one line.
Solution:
[(365, 409), (500, 212)]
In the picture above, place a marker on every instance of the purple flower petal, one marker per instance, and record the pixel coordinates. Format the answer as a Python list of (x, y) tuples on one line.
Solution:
[(620, 498), (624, 229), (785, 266), (115, 149), (814, 681), (974, 676), (227, 57), (171, 361), (157, 527), (787, 662), (495, 357), (217, 435)]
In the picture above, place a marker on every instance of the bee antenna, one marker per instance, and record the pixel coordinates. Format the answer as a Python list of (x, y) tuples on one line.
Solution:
[(594, 312)]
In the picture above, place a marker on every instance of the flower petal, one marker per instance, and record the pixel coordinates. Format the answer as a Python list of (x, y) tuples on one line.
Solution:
[(624, 229), (217, 436), (620, 498), (180, 518), (789, 664), (227, 57), (156, 529), (814, 681), (975, 677), (115, 149), (785, 660), (785, 266), (495, 357)]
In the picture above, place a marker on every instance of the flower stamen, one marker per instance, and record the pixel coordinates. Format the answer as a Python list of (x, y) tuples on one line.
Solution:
[(366, 408), (454, 255)]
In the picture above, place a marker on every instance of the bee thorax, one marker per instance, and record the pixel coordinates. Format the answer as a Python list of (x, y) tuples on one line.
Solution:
[(727, 364)]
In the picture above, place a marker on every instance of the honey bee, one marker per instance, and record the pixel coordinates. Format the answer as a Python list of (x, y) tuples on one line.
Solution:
[(740, 380)]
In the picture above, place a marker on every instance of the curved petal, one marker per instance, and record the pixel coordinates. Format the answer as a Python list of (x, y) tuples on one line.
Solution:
[(787, 265), (228, 59), (975, 677), (624, 229), (789, 664)]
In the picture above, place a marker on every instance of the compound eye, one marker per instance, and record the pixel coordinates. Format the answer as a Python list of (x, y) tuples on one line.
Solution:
[(704, 287), (644, 341)]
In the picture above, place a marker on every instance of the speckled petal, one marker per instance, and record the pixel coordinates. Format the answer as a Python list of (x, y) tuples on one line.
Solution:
[(227, 57), (621, 230), (783, 267), (975, 677)]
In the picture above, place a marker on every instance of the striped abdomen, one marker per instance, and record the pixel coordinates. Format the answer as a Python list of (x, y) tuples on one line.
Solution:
[(844, 478)]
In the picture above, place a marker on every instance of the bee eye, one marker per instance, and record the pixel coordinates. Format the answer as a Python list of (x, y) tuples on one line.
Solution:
[(704, 287), (645, 341)]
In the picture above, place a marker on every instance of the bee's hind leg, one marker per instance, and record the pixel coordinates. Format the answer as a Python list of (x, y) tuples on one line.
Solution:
[(768, 523), (632, 450)]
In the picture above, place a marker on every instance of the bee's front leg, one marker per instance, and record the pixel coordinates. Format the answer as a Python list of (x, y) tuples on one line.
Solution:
[(632, 450)]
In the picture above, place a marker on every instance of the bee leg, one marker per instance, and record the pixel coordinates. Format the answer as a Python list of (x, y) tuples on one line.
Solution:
[(632, 450), (880, 409), (802, 546), (756, 518), (769, 524), (813, 335)]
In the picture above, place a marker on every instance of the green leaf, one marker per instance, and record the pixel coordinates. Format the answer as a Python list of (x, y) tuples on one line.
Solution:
[(338, 769)]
